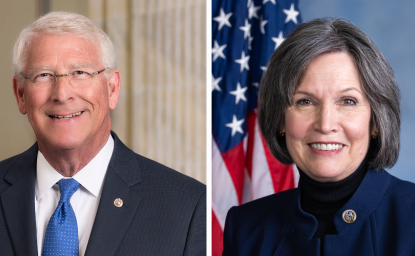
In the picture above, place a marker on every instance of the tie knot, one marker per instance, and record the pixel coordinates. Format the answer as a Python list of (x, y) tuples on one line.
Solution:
[(67, 187)]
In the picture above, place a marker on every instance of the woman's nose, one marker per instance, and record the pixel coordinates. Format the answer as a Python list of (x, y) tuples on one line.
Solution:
[(326, 119)]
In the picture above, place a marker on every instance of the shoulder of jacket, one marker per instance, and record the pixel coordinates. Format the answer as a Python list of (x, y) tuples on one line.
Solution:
[(158, 173), (5, 164), (401, 188)]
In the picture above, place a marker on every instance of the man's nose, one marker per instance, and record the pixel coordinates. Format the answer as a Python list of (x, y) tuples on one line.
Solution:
[(61, 89)]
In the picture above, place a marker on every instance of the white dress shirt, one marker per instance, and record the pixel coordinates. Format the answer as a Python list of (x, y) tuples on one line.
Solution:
[(84, 201)]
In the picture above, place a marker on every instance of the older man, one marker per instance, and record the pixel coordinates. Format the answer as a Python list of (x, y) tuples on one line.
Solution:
[(79, 189)]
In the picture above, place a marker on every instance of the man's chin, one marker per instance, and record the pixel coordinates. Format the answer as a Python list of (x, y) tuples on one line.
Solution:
[(60, 143)]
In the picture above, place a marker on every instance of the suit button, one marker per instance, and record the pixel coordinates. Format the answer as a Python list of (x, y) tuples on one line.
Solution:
[(118, 202), (349, 216)]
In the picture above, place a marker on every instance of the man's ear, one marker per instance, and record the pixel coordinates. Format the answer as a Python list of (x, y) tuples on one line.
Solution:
[(19, 91), (114, 84)]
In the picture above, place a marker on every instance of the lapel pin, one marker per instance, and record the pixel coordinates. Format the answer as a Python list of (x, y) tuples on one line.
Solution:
[(349, 216), (118, 202)]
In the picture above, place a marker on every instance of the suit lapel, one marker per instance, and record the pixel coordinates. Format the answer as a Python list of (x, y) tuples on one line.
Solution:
[(18, 202), (112, 222)]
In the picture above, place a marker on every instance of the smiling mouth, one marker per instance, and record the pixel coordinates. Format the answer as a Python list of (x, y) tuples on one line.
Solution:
[(67, 117), (326, 147)]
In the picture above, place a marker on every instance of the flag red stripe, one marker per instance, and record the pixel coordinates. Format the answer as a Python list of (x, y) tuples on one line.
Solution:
[(217, 237), (282, 175), (235, 163), (251, 120)]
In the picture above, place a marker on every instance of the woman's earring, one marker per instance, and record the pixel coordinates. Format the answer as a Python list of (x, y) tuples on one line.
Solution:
[(374, 135), (282, 133)]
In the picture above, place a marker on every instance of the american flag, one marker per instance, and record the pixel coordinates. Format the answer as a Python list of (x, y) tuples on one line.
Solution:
[(244, 35)]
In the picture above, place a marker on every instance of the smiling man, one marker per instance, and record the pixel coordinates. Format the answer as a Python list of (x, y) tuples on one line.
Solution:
[(79, 190)]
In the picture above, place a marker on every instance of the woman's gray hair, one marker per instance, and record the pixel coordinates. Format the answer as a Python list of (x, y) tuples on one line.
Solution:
[(287, 64), (62, 23)]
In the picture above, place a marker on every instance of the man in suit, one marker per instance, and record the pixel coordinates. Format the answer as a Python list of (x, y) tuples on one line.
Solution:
[(79, 189)]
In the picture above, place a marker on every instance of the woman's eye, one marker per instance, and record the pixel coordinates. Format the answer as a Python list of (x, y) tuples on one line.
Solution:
[(79, 72), (304, 102), (349, 102)]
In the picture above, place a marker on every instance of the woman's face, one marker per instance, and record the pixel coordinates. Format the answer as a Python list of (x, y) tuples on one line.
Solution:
[(328, 124)]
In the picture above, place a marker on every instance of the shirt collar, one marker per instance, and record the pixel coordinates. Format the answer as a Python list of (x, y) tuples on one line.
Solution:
[(91, 177)]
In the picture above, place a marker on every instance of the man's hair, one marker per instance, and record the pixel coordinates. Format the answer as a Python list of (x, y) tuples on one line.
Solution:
[(288, 62), (62, 23)]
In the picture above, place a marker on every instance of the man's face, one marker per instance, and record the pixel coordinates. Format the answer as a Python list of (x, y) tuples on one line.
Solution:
[(88, 124)]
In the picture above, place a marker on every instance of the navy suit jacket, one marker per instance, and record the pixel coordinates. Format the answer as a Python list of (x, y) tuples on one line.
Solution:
[(276, 225), (164, 212)]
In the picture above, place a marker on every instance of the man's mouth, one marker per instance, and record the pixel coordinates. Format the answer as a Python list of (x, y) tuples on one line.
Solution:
[(68, 116)]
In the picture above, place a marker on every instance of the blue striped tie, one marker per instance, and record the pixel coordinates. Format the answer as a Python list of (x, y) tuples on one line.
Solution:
[(61, 236)]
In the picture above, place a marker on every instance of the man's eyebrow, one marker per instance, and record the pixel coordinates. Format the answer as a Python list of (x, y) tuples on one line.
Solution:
[(37, 69), (81, 65), (49, 68)]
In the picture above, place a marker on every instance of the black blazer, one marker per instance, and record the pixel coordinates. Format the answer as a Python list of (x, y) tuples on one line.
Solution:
[(164, 212)]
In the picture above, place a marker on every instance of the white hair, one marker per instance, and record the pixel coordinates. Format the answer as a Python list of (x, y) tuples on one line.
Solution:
[(62, 23)]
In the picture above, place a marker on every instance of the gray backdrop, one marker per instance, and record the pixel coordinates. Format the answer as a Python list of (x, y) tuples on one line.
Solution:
[(391, 25)]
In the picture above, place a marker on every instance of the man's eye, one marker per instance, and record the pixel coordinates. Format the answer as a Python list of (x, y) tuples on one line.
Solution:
[(43, 75), (80, 74)]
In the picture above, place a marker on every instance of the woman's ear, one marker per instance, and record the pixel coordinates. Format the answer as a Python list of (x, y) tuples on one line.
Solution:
[(374, 132), (282, 131)]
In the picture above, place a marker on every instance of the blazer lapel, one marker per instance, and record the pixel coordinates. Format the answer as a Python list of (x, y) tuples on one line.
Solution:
[(18, 203), (112, 222)]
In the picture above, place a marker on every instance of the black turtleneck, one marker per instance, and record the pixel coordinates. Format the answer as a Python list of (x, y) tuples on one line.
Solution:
[(324, 199)]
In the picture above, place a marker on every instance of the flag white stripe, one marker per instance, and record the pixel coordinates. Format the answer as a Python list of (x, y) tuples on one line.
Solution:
[(261, 177), (223, 190), (296, 175), (247, 192)]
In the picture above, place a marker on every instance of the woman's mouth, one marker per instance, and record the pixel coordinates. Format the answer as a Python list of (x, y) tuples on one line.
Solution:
[(326, 147)]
